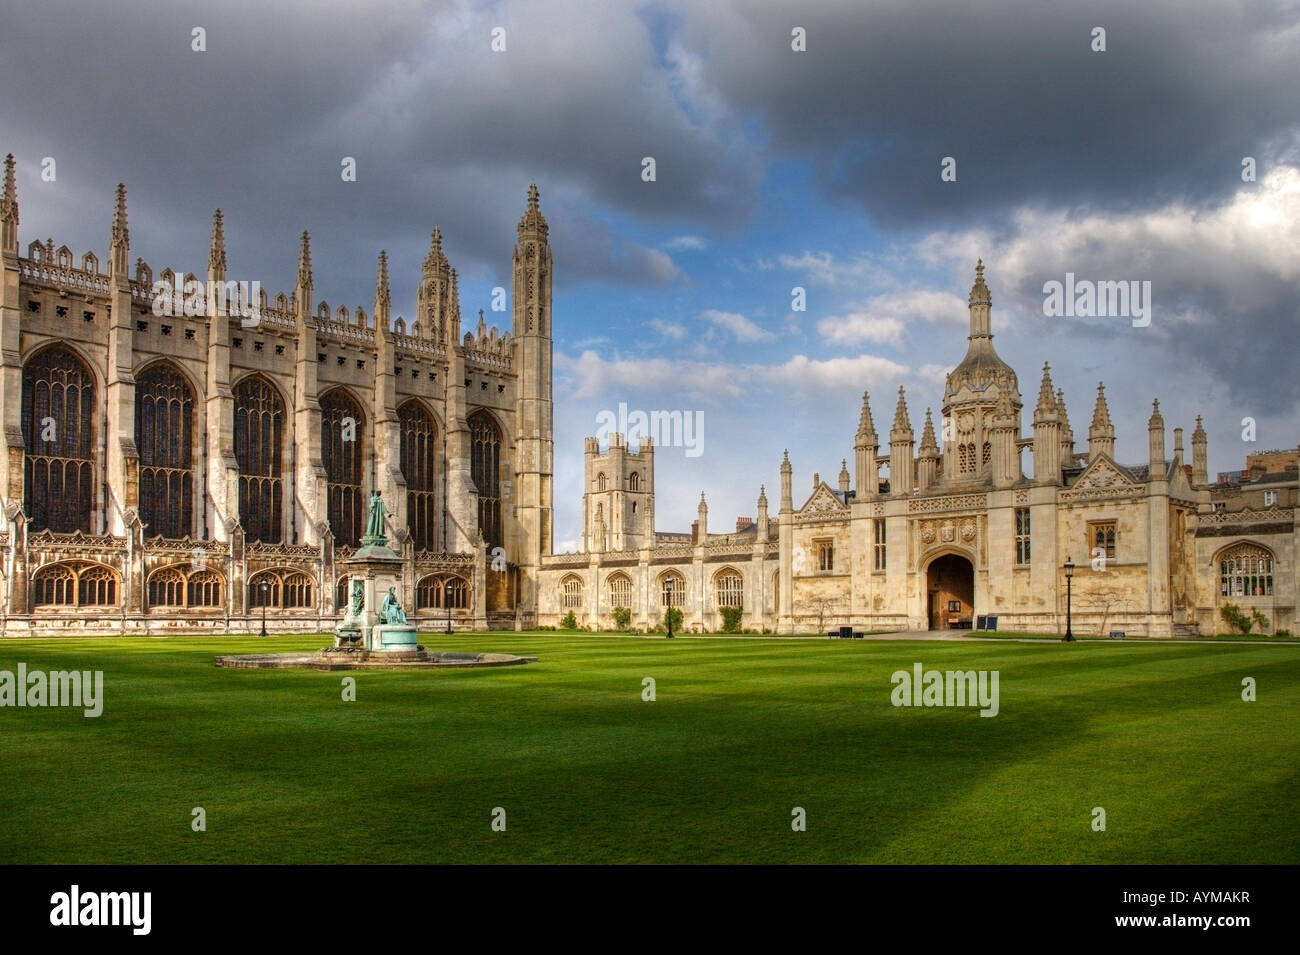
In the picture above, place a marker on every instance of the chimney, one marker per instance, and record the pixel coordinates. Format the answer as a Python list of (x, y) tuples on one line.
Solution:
[(695, 532), (743, 522)]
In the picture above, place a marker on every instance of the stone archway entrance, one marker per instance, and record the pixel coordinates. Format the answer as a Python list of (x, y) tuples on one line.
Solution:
[(950, 592)]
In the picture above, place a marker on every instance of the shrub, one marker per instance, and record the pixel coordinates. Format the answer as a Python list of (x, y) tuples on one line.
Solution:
[(1234, 618), (1261, 621), (570, 622), (675, 615), (622, 617), (731, 619)]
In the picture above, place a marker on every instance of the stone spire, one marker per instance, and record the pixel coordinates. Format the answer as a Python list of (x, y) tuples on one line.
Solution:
[(900, 449), (1067, 433), (532, 225), (762, 520), (1047, 433), (866, 427), (979, 292), (119, 244), (702, 521), (383, 298), (1101, 434), (865, 447), (1046, 399), (844, 475), (928, 458), (217, 247), (901, 420), (1200, 455), (304, 262), (787, 490), (9, 210)]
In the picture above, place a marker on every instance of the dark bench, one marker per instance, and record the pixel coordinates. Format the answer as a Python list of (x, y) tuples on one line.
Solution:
[(845, 633)]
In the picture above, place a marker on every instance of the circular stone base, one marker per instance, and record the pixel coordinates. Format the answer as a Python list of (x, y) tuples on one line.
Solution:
[(350, 658)]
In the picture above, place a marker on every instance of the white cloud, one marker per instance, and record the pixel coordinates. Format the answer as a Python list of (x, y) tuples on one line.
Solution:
[(668, 329), (884, 318), (737, 324), (686, 243)]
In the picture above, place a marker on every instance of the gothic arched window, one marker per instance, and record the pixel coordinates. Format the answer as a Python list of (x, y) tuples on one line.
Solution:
[(419, 456), (58, 434), (672, 589), (730, 589), (620, 591), (259, 440), (342, 426), (164, 436), (571, 598), (1246, 570), (485, 471)]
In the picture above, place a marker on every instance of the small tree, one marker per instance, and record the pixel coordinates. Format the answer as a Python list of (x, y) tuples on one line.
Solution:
[(1238, 621), (675, 615), (731, 619), (570, 622), (622, 617)]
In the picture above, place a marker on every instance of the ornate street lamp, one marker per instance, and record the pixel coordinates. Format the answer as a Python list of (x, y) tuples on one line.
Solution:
[(266, 586), (669, 612), (1069, 577), (446, 598)]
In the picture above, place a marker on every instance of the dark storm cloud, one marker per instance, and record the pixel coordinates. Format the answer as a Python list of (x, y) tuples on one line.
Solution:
[(445, 132), (1013, 91)]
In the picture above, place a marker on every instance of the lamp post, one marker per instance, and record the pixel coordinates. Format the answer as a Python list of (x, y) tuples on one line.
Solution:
[(669, 612), (1069, 578), (446, 598), (266, 586)]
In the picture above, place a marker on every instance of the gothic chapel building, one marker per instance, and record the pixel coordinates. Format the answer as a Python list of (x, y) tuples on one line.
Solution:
[(169, 472)]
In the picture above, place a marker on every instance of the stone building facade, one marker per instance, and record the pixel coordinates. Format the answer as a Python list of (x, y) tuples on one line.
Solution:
[(935, 535), (198, 468)]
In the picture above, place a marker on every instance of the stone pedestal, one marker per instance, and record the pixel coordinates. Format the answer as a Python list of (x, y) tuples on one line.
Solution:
[(378, 568)]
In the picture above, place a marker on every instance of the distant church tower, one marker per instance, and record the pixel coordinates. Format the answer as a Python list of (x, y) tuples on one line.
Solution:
[(618, 502), (534, 443)]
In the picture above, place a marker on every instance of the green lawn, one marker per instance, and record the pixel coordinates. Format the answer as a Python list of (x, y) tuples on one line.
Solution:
[(741, 732)]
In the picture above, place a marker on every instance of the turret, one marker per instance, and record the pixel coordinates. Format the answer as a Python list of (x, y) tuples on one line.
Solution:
[(762, 513), (901, 440), (1200, 455), (844, 476), (9, 211), (928, 458), (1067, 435), (865, 448), (1006, 458), (1156, 440), (1047, 433), (787, 491), (702, 518)]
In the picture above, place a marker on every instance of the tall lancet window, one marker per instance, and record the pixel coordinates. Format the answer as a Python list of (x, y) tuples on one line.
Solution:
[(164, 436), (419, 456), (58, 422), (259, 443), (485, 471), (342, 430)]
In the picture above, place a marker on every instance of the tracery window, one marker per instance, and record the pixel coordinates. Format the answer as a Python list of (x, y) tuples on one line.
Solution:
[(485, 471), (730, 588), (419, 455), (58, 416), (164, 436), (342, 427), (1246, 570), (571, 596), (259, 442)]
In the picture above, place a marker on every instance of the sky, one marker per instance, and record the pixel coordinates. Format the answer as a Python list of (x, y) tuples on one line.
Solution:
[(871, 169)]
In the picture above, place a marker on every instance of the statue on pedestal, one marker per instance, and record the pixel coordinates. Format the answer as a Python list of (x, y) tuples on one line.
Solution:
[(375, 524), (390, 611)]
